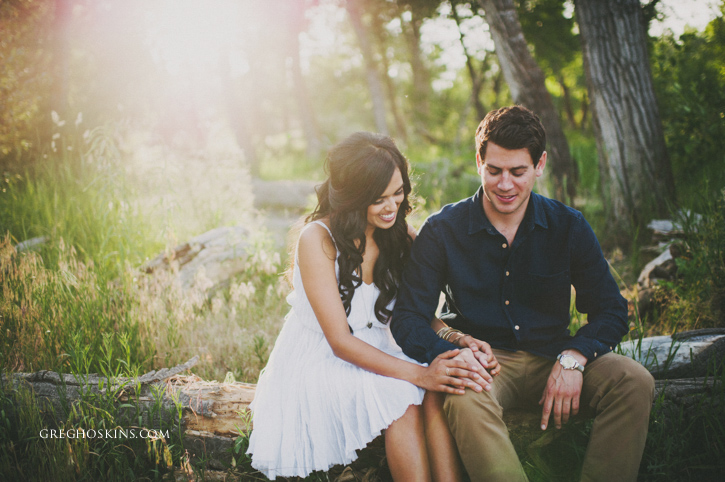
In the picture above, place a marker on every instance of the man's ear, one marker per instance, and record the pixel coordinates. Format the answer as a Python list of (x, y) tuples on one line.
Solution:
[(540, 166), (479, 162)]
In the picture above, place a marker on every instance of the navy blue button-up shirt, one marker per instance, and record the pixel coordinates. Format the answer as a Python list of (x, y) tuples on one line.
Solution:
[(513, 297)]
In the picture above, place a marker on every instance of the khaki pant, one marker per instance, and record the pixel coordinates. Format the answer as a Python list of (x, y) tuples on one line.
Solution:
[(617, 392)]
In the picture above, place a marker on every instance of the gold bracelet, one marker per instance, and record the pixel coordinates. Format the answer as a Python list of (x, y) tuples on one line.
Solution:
[(446, 332), (451, 333), (440, 333)]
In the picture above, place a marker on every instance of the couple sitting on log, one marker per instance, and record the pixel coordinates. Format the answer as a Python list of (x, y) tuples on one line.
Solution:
[(359, 354)]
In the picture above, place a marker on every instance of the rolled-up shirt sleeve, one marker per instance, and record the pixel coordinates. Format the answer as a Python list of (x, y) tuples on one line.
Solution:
[(597, 295), (423, 279)]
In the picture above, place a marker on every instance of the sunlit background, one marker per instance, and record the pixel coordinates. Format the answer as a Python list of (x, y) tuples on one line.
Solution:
[(128, 128), (270, 75)]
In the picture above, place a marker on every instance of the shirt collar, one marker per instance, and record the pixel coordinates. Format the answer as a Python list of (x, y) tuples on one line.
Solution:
[(536, 203), (477, 220)]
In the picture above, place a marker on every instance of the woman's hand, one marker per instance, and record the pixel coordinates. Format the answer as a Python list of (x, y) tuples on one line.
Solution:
[(482, 351), (449, 374)]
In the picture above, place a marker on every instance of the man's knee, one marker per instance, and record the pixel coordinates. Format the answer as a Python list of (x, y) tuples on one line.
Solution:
[(625, 378), (640, 383), (471, 404)]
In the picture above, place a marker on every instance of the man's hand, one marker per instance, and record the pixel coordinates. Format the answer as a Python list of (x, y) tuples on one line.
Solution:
[(562, 392), (467, 355), (448, 373), (483, 353)]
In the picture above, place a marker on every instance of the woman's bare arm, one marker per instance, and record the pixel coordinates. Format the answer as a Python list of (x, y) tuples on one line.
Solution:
[(316, 254)]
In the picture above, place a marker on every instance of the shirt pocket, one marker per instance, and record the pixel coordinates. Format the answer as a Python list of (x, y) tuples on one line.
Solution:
[(545, 294)]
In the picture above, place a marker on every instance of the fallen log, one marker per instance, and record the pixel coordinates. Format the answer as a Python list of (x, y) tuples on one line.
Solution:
[(688, 354), (209, 414), (212, 414)]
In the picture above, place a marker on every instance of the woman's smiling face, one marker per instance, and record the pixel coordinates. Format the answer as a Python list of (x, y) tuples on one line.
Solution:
[(382, 212)]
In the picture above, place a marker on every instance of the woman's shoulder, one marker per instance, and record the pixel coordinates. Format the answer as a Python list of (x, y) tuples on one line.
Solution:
[(315, 239)]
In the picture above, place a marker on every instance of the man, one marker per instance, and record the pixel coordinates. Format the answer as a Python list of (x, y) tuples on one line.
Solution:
[(506, 259)]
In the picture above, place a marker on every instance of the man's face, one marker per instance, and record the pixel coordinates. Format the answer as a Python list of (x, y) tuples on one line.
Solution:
[(507, 177)]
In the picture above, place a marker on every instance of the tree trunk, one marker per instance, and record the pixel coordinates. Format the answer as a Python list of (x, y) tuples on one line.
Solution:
[(526, 82), (585, 113), (60, 65), (476, 78), (636, 175), (371, 71), (421, 77), (379, 31), (568, 108), (307, 116)]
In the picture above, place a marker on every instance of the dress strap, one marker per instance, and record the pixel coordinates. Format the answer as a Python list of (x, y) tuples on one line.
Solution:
[(317, 221)]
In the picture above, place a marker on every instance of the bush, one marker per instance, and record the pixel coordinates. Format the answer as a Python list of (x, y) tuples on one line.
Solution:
[(689, 80)]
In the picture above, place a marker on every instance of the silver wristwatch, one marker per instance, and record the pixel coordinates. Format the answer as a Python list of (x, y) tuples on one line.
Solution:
[(568, 362)]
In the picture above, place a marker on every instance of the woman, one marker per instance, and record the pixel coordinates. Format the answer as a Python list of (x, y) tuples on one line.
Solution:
[(335, 378)]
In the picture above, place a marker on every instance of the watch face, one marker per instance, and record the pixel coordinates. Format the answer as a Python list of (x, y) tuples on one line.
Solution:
[(567, 361)]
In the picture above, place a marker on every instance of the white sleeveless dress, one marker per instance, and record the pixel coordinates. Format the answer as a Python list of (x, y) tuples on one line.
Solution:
[(313, 410)]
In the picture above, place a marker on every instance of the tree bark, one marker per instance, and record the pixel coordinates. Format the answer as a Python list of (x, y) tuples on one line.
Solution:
[(526, 82), (375, 85), (635, 170)]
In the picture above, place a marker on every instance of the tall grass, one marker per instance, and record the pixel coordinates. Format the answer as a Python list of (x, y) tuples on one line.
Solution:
[(45, 312), (82, 198), (81, 303), (697, 298), (231, 330)]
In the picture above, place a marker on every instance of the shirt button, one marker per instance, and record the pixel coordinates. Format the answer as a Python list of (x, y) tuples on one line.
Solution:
[(506, 302), (507, 273), (595, 354), (516, 327), (504, 245)]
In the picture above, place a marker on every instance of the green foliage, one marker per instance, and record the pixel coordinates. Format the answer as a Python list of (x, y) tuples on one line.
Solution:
[(689, 79), (697, 298), (549, 29), (686, 442), (440, 182)]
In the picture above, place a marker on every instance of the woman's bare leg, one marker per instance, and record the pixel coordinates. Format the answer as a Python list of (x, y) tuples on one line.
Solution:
[(445, 463), (405, 447)]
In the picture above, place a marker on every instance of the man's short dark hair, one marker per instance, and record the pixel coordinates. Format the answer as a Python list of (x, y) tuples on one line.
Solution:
[(513, 127)]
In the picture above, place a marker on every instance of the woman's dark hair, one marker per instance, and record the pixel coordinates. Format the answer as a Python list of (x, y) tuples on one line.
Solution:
[(360, 168)]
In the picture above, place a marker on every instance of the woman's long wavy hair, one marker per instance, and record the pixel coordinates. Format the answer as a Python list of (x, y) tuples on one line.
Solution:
[(360, 168)]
